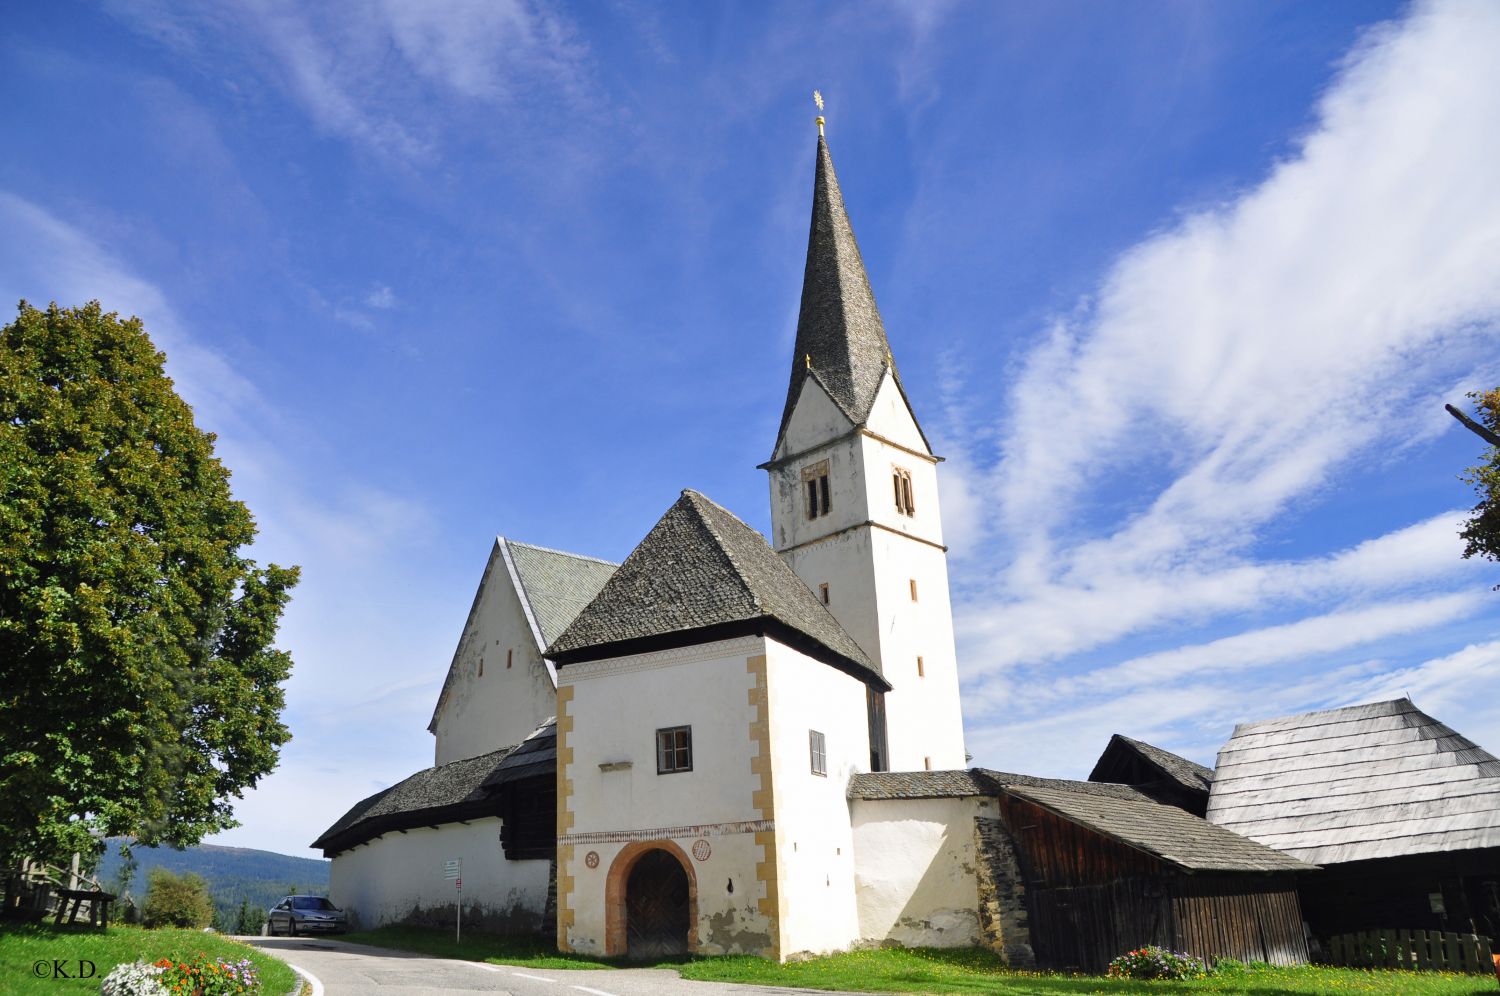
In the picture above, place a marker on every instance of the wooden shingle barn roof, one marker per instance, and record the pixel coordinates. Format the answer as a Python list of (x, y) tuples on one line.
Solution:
[(1368, 781)]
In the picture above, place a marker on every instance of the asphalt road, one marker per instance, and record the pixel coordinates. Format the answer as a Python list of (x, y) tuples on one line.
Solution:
[(343, 969)]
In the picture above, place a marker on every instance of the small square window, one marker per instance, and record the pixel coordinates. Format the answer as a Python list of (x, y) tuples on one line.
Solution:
[(819, 752), (674, 749), (901, 481)]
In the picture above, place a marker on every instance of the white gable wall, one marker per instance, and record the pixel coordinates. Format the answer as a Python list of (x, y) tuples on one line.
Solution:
[(398, 877), (502, 706), (892, 419), (915, 874), (815, 420)]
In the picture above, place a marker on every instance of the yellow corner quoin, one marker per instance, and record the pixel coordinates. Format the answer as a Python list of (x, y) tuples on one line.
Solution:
[(762, 800), (565, 914)]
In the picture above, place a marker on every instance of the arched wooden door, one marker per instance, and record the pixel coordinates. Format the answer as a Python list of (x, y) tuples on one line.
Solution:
[(656, 907)]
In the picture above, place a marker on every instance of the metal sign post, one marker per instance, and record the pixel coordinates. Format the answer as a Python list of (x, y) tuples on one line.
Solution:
[(453, 868)]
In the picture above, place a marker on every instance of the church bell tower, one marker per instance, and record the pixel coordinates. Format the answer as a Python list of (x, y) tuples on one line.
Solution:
[(854, 497)]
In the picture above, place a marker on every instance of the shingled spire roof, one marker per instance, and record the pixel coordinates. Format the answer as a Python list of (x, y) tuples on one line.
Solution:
[(840, 338), (700, 575)]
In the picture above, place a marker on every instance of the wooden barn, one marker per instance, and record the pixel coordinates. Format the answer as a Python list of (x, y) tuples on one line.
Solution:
[(1401, 812), (1106, 868)]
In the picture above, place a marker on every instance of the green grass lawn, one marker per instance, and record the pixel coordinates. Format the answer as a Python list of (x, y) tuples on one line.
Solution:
[(932, 970), (27, 952)]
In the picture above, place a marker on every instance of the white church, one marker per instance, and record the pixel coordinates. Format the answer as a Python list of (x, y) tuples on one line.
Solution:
[(729, 744)]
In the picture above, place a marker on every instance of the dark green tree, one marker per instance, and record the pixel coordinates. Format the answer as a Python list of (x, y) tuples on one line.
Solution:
[(139, 688), (1481, 532)]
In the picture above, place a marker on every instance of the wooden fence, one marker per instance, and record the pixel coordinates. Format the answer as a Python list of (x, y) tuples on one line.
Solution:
[(1414, 949)]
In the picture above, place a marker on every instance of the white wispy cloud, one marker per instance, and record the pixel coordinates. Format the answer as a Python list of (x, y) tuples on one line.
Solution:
[(1241, 360), (373, 73), (381, 297)]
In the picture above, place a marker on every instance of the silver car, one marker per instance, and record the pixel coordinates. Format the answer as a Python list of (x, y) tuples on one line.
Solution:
[(305, 915)]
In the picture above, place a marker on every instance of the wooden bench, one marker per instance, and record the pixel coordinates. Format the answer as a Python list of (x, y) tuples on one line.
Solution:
[(98, 906)]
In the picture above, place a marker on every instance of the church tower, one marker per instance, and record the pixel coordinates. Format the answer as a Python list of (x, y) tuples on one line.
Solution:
[(854, 498)]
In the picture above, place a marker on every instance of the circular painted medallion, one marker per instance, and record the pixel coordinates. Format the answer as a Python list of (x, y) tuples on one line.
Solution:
[(701, 850), (591, 859)]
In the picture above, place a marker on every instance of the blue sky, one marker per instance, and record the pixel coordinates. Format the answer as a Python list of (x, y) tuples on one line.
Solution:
[(1178, 288)]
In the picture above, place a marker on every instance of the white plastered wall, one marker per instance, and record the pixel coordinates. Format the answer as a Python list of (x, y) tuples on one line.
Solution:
[(398, 876), (814, 843), (915, 869), (502, 706), (616, 707)]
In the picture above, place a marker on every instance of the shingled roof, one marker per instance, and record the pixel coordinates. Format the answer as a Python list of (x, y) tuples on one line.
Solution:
[(1123, 752), (702, 574), (841, 340), (1165, 832), (555, 585), (1368, 781), (552, 586), (441, 794), (917, 785)]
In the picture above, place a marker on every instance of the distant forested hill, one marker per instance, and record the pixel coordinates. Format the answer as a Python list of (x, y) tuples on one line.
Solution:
[(234, 874)]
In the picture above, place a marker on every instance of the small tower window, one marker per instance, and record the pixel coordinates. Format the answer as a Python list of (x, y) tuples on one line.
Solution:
[(481, 667), (823, 592), (674, 749), (507, 658), (901, 481), (921, 671), (815, 489), (817, 748), (913, 583)]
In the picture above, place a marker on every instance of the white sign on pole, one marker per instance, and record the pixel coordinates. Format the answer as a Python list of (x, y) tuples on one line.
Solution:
[(452, 868)]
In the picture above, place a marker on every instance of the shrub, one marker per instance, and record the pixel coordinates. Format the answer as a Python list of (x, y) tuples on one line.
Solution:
[(1152, 962), (177, 901), (134, 978)]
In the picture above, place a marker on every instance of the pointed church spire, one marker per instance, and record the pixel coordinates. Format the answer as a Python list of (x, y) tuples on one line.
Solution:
[(840, 337)]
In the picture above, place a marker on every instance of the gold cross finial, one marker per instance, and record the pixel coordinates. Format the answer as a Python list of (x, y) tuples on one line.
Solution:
[(818, 99)]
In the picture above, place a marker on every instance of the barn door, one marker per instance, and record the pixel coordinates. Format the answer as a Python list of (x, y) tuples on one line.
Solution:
[(656, 907)]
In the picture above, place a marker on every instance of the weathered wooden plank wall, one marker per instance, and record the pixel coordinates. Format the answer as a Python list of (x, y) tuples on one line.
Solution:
[(1092, 899)]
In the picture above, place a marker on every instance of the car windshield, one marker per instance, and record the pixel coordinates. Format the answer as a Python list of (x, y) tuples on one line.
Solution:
[(311, 903)]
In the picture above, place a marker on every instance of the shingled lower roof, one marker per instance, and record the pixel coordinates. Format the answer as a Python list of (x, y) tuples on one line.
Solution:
[(917, 785), (840, 337), (702, 574), (435, 795), (1165, 832), (1189, 775), (1357, 783)]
